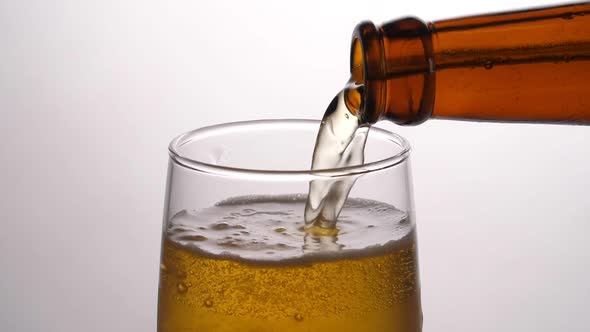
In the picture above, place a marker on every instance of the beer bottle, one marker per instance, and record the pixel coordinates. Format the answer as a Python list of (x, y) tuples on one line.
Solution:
[(530, 65)]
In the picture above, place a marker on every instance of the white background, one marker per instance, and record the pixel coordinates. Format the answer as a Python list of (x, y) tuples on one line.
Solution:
[(91, 92)]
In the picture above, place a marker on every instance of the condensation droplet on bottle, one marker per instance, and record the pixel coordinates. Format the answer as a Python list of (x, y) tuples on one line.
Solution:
[(488, 65), (181, 288), (181, 274), (298, 317), (568, 16), (208, 303), (163, 268)]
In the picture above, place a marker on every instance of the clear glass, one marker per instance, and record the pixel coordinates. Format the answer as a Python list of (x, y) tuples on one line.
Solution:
[(235, 256)]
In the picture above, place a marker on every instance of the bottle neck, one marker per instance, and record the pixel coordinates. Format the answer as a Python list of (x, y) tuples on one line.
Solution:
[(520, 66), (394, 62)]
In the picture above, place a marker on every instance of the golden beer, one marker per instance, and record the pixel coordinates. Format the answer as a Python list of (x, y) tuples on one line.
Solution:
[(318, 286)]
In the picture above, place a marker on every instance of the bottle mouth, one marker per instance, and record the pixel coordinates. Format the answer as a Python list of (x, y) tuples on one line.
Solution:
[(366, 57), (357, 62), (383, 60)]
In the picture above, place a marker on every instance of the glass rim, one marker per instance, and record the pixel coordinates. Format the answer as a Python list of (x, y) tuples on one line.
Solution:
[(235, 172)]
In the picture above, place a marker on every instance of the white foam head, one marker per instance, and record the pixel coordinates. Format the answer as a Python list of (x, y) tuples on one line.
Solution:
[(270, 229)]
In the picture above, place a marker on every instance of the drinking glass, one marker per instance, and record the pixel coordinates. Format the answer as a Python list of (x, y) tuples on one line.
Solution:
[(237, 257)]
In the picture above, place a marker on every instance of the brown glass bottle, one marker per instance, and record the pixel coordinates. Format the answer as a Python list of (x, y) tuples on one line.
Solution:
[(531, 65)]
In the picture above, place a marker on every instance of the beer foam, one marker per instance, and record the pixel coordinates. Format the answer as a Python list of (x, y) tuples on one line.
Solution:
[(270, 229)]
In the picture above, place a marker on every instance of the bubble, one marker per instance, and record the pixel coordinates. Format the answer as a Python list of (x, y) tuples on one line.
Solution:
[(181, 274), (202, 228), (208, 303), (568, 16), (238, 227), (245, 232), (181, 288), (346, 115), (177, 230), (298, 317), (280, 229), (196, 238), (370, 226), (220, 226), (163, 267), (488, 65), (228, 244)]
